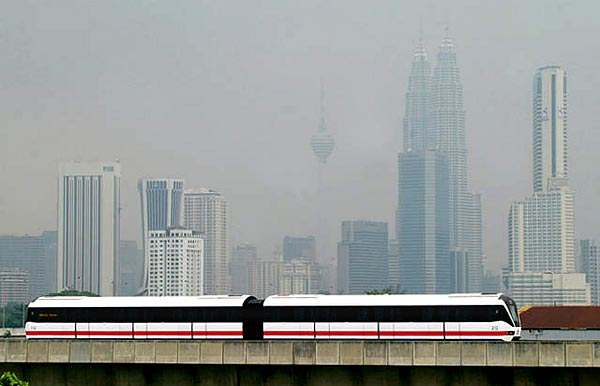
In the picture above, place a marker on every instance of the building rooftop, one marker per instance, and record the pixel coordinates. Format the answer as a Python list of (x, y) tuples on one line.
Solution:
[(560, 317)]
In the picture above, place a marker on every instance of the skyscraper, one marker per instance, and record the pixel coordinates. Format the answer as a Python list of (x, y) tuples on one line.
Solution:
[(448, 136), (161, 202), (541, 229), (438, 222), (205, 211), (88, 227), (362, 256), (423, 221), (549, 126)]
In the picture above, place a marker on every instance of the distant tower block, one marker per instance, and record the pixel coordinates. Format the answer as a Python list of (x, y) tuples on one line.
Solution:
[(322, 142)]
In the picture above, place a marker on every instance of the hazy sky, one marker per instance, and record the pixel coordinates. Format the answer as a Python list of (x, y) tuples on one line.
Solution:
[(225, 94)]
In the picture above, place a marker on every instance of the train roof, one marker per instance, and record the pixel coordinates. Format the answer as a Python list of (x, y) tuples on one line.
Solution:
[(140, 301), (383, 300)]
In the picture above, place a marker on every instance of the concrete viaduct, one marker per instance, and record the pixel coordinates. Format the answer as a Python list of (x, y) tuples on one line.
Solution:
[(339, 363)]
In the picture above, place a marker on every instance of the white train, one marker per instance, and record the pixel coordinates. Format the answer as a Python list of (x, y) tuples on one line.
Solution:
[(364, 317)]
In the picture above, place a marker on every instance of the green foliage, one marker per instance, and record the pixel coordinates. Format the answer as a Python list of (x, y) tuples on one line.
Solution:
[(13, 315), (73, 293), (386, 291), (10, 379)]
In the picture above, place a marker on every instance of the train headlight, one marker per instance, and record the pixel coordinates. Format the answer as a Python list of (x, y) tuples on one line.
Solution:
[(510, 333)]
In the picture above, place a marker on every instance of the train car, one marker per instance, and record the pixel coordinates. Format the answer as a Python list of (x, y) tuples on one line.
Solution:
[(408, 317), (203, 317)]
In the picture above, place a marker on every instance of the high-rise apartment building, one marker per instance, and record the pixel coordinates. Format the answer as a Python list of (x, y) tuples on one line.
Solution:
[(88, 227), (590, 258), (362, 257), (541, 229), (299, 248), (205, 211), (35, 255), (176, 262)]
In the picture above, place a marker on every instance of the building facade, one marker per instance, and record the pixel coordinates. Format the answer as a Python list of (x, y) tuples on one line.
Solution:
[(449, 137), (299, 248), (589, 253), (205, 211), (362, 257), (35, 255), (423, 222), (541, 229), (176, 261), (88, 227), (549, 126), (14, 286), (432, 169), (242, 257), (161, 201), (131, 268)]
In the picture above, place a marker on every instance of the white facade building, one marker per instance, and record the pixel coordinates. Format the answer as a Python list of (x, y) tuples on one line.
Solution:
[(549, 289), (541, 232), (541, 229), (88, 227), (205, 211), (298, 276), (590, 259), (549, 126), (176, 262), (161, 202)]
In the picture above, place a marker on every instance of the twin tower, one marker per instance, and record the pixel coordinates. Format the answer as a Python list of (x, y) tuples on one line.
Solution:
[(438, 221)]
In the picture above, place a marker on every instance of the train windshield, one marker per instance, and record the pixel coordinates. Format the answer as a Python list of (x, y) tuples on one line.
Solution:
[(512, 308)]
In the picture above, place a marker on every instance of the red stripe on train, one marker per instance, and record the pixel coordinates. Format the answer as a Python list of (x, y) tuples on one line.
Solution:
[(411, 333), (38, 332)]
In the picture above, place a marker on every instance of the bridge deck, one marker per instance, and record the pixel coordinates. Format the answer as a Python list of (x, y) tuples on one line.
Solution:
[(518, 354)]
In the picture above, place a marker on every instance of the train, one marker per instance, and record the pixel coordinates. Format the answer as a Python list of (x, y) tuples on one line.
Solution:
[(307, 317)]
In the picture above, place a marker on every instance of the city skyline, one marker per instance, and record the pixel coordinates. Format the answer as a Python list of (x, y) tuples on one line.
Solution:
[(365, 112)]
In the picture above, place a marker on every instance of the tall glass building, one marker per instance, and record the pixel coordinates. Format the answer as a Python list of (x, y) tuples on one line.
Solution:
[(362, 257), (422, 226), (437, 218)]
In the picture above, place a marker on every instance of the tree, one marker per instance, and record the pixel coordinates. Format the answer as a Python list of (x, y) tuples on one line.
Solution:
[(72, 293), (13, 315), (11, 379), (386, 291)]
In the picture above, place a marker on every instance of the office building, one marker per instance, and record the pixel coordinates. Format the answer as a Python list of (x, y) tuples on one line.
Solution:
[(362, 257), (88, 227), (423, 222), (161, 202), (131, 268), (175, 263), (14, 286), (205, 211), (299, 248), (549, 289), (589, 251), (35, 255), (549, 126), (242, 256)]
